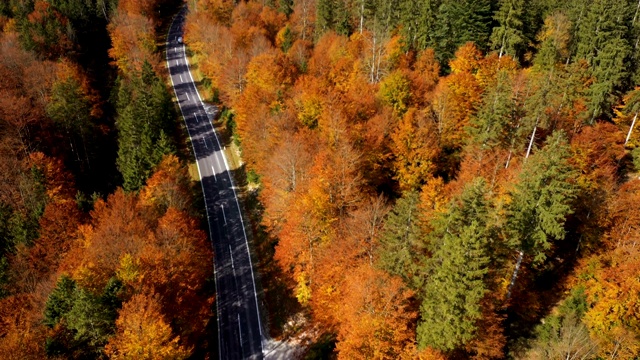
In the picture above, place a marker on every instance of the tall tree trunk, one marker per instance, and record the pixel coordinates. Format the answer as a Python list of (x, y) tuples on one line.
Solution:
[(361, 15), (533, 135), (631, 128), (516, 270), (515, 273)]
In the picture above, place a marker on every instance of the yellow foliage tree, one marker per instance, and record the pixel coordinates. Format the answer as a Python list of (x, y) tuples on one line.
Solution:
[(142, 333)]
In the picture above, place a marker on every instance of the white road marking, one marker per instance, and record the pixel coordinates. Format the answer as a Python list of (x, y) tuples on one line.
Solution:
[(182, 80), (217, 161), (205, 143), (240, 331), (187, 96), (206, 207), (232, 265), (196, 116), (223, 215), (186, 61), (214, 173)]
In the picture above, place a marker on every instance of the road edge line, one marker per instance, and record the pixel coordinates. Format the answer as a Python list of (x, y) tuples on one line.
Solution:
[(204, 195)]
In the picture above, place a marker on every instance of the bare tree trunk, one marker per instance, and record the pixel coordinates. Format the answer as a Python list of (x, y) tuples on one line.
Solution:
[(373, 59), (633, 123), (533, 135), (514, 276), (515, 273), (361, 15)]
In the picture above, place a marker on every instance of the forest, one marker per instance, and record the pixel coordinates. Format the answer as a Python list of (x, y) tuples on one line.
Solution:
[(102, 252), (438, 179), (426, 179)]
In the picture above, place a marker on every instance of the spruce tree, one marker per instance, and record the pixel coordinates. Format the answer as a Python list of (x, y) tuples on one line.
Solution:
[(402, 243), (324, 16), (458, 22), (635, 44), (144, 120), (602, 41), (541, 200), (508, 37), (459, 265), (496, 122), (60, 301), (417, 20), (285, 7), (342, 18)]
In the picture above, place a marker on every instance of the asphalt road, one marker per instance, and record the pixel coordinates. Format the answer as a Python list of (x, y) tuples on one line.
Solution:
[(239, 326)]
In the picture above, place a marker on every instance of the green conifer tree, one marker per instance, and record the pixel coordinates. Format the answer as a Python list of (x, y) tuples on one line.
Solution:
[(60, 301), (602, 41), (324, 16), (402, 243), (541, 200), (458, 22), (508, 37), (144, 119), (496, 122), (459, 265), (285, 7)]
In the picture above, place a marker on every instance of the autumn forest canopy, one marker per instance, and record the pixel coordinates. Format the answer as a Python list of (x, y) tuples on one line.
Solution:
[(424, 179)]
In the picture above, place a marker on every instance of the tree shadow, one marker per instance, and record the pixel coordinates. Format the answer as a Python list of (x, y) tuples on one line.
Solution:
[(277, 303)]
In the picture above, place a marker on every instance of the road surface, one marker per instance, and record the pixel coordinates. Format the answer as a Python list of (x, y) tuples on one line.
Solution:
[(239, 326)]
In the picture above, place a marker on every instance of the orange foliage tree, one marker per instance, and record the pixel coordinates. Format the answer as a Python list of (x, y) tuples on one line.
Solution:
[(143, 333)]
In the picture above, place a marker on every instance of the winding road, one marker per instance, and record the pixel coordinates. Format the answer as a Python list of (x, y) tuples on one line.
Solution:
[(239, 327)]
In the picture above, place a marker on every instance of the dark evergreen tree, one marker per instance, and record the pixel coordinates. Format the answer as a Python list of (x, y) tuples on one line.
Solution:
[(458, 22), (285, 6), (60, 301), (508, 37), (92, 318), (325, 19), (602, 40), (635, 43), (425, 18), (144, 119), (409, 14), (342, 18), (456, 285), (287, 39), (541, 200), (402, 244), (87, 320), (497, 120), (70, 110)]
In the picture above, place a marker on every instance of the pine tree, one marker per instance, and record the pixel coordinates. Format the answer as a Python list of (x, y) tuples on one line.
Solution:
[(602, 41), (401, 242), (70, 110), (144, 119), (342, 18), (285, 7), (89, 319), (541, 200), (635, 43), (324, 16), (459, 265), (60, 301), (417, 19), (458, 22), (508, 38), (496, 121)]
